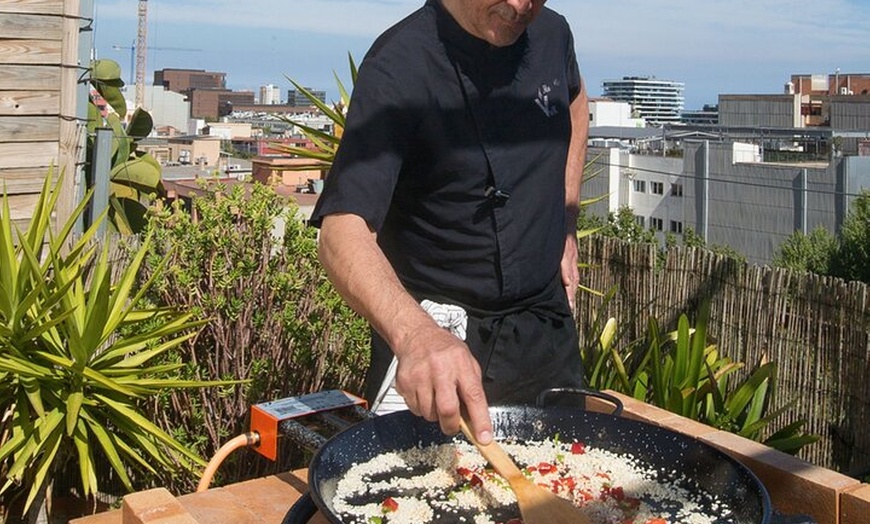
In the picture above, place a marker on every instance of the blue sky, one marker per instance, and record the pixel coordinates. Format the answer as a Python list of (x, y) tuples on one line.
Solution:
[(714, 46)]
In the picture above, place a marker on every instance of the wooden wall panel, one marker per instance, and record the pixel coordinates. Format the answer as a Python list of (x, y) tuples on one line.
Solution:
[(21, 206), (28, 155), (29, 77), (22, 103), (44, 7), (23, 180), (29, 129), (30, 26), (72, 133), (30, 51), (39, 73)]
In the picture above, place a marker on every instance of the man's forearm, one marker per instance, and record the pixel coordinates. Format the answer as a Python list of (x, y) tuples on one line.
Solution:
[(364, 278), (576, 157)]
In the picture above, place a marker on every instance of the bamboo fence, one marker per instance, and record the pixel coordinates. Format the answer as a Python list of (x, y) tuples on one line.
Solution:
[(814, 328)]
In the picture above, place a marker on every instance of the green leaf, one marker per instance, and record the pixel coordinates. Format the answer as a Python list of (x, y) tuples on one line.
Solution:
[(141, 124), (95, 119), (34, 394), (113, 96), (43, 466), (87, 469), (107, 444), (329, 112), (741, 398), (792, 444), (105, 70), (73, 406), (121, 144), (133, 417), (141, 173)]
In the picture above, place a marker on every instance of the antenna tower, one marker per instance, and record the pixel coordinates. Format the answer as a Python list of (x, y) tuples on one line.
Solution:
[(141, 52)]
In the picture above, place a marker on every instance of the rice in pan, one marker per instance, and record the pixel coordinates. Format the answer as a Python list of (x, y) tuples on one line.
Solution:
[(451, 482)]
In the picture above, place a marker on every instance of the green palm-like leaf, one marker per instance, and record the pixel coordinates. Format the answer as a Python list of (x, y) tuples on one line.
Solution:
[(330, 113)]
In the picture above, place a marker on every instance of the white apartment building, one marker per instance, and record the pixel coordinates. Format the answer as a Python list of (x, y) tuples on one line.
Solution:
[(270, 94), (167, 108), (656, 101), (652, 186), (604, 112)]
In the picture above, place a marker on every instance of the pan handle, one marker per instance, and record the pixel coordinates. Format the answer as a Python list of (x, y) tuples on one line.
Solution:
[(541, 402)]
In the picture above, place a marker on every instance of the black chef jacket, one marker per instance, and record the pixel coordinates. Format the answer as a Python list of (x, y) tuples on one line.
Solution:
[(455, 153)]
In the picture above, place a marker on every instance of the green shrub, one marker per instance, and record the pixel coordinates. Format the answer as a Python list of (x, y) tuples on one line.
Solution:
[(275, 318)]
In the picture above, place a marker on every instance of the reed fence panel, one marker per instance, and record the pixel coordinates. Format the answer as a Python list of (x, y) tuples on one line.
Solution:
[(815, 328)]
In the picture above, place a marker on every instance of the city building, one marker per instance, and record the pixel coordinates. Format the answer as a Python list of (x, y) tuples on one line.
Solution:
[(604, 112), (708, 116), (215, 103), (228, 130), (831, 84), (203, 151), (288, 172), (185, 80), (839, 101), (650, 185), (270, 95), (296, 98), (734, 199), (656, 101), (761, 111)]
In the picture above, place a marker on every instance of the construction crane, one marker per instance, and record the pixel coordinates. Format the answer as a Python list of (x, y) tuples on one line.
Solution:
[(139, 50), (132, 49)]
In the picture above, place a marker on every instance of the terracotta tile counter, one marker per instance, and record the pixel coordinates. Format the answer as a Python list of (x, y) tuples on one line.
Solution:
[(795, 486)]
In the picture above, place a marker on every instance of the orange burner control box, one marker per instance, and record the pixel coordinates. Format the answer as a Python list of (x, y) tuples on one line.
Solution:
[(266, 417)]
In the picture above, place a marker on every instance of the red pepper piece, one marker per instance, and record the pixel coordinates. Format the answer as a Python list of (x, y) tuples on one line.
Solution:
[(389, 505), (578, 448)]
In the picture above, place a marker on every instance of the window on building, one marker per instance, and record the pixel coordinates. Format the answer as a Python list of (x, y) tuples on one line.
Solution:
[(656, 224), (640, 186), (657, 188), (677, 190), (676, 227), (641, 221)]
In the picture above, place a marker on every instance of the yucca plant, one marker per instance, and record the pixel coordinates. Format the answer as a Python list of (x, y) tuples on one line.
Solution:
[(78, 353)]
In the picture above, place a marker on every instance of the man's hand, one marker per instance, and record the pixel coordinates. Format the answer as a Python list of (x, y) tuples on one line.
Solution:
[(439, 377), (570, 272)]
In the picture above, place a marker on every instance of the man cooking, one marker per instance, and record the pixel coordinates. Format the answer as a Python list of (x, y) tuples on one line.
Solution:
[(452, 203)]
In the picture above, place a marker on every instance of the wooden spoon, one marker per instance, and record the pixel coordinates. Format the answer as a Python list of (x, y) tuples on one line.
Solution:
[(538, 505)]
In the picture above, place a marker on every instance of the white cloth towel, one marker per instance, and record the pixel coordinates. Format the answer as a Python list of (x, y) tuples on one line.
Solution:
[(450, 317)]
